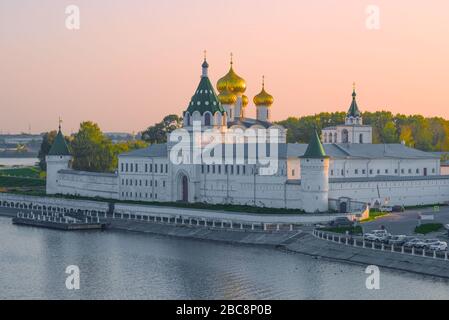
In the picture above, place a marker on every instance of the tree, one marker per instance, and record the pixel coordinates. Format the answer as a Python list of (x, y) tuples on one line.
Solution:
[(406, 135), (158, 132), (92, 150), (389, 133), (47, 142)]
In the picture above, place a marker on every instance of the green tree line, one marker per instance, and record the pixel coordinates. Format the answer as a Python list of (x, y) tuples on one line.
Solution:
[(427, 134)]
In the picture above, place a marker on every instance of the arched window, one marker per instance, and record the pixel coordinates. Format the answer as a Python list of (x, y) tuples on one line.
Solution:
[(361, 138), (335, 137), (325, 137), (345, 136), (207, 119)]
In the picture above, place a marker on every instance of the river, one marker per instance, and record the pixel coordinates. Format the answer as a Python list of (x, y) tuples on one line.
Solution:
[(9, 162), (126, 265)]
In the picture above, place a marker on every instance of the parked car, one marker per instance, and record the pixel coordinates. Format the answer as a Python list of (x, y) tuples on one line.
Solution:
[(386, 209), (429, 242), (377, 235), (397, 240), (398, 208), (417, 243), (440, 246), (341, 222)]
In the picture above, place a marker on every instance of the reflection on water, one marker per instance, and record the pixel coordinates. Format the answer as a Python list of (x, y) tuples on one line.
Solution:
[(140, 266)]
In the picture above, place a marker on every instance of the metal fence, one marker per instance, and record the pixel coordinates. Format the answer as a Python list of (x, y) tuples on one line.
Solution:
[(354, 242)]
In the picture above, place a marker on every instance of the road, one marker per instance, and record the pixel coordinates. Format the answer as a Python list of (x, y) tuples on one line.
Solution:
[(405, 222)]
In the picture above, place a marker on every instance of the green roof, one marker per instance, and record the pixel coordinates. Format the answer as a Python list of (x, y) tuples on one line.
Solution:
[(59, 146), (205, 98), (315, 148), (354, 109)]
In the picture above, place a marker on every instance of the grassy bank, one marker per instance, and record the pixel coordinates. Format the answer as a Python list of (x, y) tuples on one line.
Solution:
[(24, 172), (351, 230), (428, 228)]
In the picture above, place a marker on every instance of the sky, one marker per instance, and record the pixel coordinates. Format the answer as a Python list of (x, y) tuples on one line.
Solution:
[(134, 61)]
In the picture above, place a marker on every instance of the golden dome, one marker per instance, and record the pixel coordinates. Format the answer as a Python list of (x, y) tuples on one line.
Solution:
[(227, 97), (245, 101), (263, 98), (232, 82)]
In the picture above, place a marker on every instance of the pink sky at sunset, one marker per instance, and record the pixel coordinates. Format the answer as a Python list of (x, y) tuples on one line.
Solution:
[(135, 61)]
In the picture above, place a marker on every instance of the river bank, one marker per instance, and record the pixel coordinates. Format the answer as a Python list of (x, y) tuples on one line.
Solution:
[(296, 241)]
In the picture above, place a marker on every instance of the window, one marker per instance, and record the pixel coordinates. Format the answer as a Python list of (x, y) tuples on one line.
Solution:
[(162, 168), (146, 167), (213, 169), (238, 169), (363, 171), (126, 167), (136, 168), (402, 170), (226, 169), (219, 169), (232, 169), (151, 183), (244, 169), (146, 183), (378, 171), (207, 119), (163, 183), (155, 168), (155, 183), (202, 168), (395, 171), (151, 167), (121, 167), (433, 170), (370, 171), (208, 168), (293, 172), (386, 171), (409, 170), (342, 172), (356, 171), (361, 138), (130, 182), (417, 171), (166, 168)]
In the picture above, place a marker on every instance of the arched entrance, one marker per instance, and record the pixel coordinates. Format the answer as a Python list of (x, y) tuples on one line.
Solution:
[(343, 207), (182, 186), (184, 189)]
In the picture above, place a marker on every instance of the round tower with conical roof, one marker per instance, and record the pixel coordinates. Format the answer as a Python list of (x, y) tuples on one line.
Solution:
[(315, 177), (58, 158)]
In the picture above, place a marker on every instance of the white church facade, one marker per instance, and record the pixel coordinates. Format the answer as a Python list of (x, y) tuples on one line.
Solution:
[(341, 166)]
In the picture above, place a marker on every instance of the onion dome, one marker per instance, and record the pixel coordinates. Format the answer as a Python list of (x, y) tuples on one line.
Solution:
[(263, 98), (245, 101), (232, 82), (353, 109), (227, 97)]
